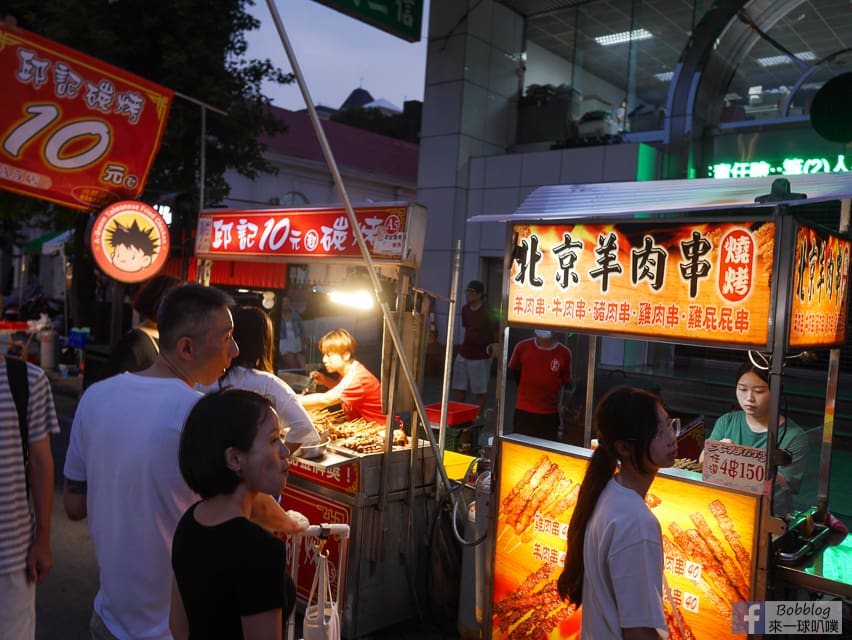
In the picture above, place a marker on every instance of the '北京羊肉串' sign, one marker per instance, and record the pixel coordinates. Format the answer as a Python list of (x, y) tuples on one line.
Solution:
[(703, 282)]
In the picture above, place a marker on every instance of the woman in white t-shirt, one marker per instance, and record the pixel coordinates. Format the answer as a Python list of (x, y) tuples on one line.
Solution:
[(252, 370), (614, 560)]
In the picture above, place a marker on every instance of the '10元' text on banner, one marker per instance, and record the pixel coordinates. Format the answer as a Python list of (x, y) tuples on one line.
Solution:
[(74, 130)]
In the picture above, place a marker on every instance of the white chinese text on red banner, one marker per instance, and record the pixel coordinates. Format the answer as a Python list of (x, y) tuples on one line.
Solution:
[(304, 234), (74, 130)]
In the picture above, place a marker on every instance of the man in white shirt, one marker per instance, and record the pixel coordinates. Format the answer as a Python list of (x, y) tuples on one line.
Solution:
[(121, 469)]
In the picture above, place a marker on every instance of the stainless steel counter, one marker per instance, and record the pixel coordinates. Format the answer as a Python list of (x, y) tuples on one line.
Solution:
[(829, 571)]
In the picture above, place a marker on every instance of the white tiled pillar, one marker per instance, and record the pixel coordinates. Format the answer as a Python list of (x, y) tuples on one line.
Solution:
[(469, 111)]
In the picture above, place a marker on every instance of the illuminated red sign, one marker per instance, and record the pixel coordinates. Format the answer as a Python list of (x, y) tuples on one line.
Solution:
[(692, 281), (301, 233), (820, 289), (74, 130)]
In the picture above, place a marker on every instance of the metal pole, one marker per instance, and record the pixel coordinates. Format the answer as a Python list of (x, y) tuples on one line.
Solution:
[(202, 169), (591, 369), (356, 230), (448, 351), (830, 400)]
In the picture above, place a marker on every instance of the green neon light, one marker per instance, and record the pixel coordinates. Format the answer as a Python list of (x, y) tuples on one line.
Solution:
[(785, 167)]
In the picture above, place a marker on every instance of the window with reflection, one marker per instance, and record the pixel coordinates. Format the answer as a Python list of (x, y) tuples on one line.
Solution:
[(598, 70)]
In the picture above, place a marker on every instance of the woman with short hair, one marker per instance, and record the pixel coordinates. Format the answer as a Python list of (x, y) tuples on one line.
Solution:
[(230, 579)]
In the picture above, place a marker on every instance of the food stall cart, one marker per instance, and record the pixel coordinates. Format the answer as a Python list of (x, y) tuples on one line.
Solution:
[(378, 493), (693, 262)]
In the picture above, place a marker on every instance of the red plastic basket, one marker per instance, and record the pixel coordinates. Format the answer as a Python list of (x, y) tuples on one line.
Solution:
[(457, 413)]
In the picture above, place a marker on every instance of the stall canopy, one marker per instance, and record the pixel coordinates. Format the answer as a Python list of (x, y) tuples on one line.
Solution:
[(614, 199), (48, 244)]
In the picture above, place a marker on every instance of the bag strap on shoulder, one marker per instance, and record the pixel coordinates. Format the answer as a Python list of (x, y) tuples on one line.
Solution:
[(16, 372)]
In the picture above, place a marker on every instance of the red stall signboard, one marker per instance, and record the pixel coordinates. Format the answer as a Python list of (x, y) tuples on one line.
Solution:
[(820, 293), (301, 233), (707, 282), (74, 130), (344, 477), (318, 510)]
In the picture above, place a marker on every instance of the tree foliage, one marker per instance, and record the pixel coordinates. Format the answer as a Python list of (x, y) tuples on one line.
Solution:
[(195, 47)]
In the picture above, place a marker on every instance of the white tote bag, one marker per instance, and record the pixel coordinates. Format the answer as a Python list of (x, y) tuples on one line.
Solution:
[(322, 621)]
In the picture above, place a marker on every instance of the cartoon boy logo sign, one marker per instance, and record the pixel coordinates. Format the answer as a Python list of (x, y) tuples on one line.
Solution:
[(130, 241)]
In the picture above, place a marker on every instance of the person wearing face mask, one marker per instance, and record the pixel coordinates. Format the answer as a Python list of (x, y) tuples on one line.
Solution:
[(749, 427), (541, 367)]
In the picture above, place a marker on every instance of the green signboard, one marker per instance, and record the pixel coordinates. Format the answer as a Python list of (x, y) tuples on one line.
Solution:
[(794, 165), (401, 18)]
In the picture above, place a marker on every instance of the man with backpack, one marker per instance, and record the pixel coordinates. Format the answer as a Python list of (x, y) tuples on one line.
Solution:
[(27, 418)]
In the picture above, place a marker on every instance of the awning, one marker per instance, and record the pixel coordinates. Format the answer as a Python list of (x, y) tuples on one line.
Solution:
[(619, 199), (48, 244)]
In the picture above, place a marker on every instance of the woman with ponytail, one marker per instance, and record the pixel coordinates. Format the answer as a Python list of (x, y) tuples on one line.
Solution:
[(614, 561)]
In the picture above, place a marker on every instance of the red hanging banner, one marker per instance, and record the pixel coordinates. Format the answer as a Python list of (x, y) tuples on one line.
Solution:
[(74, 130)]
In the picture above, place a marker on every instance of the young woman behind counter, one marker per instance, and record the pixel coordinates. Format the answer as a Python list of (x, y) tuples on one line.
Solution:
[(750, 425)]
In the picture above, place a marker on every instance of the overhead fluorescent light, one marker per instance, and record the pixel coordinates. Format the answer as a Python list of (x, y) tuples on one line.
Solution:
[(774, 61), (664, 77), (624, 36)]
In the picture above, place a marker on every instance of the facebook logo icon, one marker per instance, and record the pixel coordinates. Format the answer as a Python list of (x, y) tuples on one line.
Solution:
[(748, 617)]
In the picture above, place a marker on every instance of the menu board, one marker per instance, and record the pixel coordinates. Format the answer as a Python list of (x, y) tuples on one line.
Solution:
[(820, 289), (701, 282), (708, 544)]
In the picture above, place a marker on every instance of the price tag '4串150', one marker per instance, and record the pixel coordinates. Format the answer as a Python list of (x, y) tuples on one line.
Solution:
[(734, 465)]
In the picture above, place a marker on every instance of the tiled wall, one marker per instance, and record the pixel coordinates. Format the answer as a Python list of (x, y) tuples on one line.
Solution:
[(469, 123)]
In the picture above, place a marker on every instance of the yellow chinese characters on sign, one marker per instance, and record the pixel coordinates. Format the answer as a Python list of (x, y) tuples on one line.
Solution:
[(708, 544), (691, 281), (820, 281)]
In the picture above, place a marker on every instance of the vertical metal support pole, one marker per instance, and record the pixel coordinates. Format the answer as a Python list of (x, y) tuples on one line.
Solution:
[(448, 351), (202, 166), (830, 400), (591, 370), (782, 285), (353, 224)]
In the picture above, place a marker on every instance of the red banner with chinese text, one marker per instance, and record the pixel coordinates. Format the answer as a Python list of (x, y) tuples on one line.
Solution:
[(698, 282), (74, 130), (820, 293), (301, 233)]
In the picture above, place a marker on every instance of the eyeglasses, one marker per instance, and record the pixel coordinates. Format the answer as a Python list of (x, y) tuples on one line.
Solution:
[(672, 429)]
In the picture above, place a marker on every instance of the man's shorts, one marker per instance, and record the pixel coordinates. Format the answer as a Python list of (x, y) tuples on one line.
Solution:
[(17, 606), (473, 373)]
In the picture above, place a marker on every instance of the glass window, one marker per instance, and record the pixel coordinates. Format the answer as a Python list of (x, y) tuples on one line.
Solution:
[(601, 69)]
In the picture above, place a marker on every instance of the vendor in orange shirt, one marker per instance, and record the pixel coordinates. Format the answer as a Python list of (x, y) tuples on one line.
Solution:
[(358, 391)]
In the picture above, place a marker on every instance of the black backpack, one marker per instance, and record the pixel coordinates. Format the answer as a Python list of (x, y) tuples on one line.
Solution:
[(16, 371)]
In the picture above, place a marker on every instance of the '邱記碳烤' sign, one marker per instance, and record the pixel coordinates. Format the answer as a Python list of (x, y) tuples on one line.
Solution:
[(74, 130), (702, 282), (301, 233)]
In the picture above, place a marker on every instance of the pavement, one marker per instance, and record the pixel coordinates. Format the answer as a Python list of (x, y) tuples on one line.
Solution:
[(64, 600)]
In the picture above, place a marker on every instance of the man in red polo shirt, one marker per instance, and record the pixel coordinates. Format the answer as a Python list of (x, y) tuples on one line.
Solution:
[(541, 366)]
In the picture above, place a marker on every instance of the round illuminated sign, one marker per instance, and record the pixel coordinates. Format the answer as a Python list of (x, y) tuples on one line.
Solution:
[(130, 241)]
